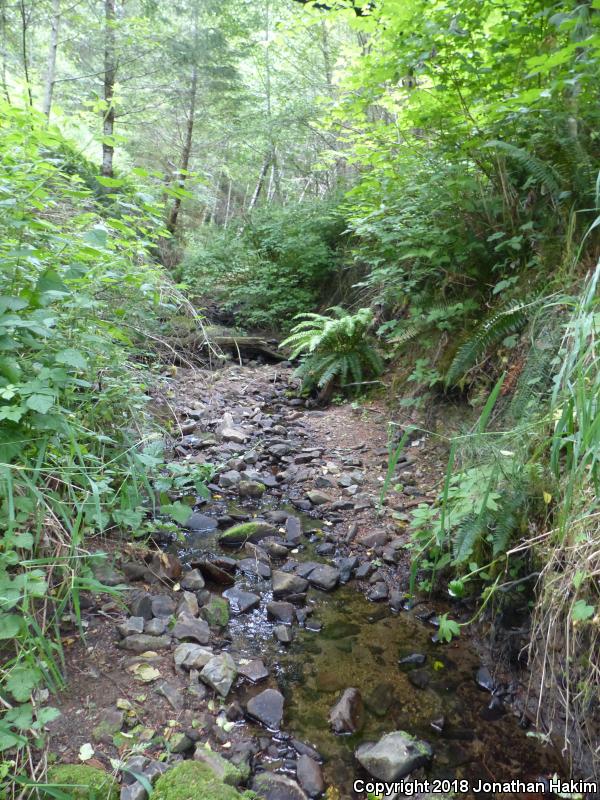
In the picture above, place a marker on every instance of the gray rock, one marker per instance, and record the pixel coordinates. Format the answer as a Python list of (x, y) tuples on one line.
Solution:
[(180, 743), (215, 573), (324, 577), (267, 708), (279, 450), (310, 776), (378, 592), (141, 642), (193, 581), (156, 626), (188, 605), (281, 611), (318, 498), (252, 566), (394, 756), (201, 523), (131, 626), (240, 601), (134, 766), (192, 656), (171, 694), (163, 606), (346, 714), (191, 628), (222, 768), (285, 583), (272, 786), (140, 604), (293, 530), (229, 479), (254, 671), (220, 673), (284, 634), (133, 791)]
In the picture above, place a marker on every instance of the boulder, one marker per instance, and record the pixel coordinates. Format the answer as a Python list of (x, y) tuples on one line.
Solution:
[(272, 786), (267, 708), (192, 656), (219, 673), (324, 577), (310, 776), (394, 756), (241, 601), (285, 583), (346, 714)]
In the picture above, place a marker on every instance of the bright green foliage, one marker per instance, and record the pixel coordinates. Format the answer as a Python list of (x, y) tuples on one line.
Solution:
[(81, 782), (338, 349), (280, 263)]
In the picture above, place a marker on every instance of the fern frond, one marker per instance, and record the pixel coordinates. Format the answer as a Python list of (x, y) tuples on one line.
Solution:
[(541, 172), (466, 535)]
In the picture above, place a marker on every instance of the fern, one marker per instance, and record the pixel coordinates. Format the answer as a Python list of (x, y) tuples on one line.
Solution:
[(493, 330), (539, 171), (467, 534), (334, 348)]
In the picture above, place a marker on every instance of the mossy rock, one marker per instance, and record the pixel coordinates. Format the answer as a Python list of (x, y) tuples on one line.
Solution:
[(83, 782), (223, 769), (216, 612), (190, 780), (246, 532)]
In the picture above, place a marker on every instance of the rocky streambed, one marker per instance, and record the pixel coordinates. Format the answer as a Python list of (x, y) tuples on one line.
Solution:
[(274, 644)]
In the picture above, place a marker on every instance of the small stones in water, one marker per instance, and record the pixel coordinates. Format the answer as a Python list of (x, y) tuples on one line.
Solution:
[(255, 671), (293, 530), (420, 678), (229, 479), (240, 601), (412, 660), (267, 708), (346, 714), (216, 613), (219, 673), (252, 566), (284, 634), (200, 522), (484, 680), (378, 592)]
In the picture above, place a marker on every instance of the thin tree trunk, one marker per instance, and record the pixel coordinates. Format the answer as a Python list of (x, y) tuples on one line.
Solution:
[(24, 53), (187, 149), (4, 50), (260, 183), (228, 205), (110, 73), (51, 64)]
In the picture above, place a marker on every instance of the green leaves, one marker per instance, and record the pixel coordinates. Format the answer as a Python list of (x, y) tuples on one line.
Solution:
[(72, 358), (21, 681), (582, 611), (448, 628), (10, 625)]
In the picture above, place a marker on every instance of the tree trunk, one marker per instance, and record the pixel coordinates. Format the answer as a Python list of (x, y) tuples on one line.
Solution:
[(187, 149), (4, 49), (24, 53), (51, 64), (260, 183), (110, 72)]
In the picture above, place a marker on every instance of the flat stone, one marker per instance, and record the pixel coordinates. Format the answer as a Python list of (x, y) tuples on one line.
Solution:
[(241, 601), (171, 694), (192, 656), (284, 634), (193, 581), (141, 642), (318, 498), (191, 628), (293, 530), (310, 776), (285, 583), (220, 673), (252, 566), (267, 708), (281, 611), (254, 671), (156, 626), (110, 723), (229, 479), (252, 489), (378, 592), (163, 606), (133, 791), (346, 715), (412, 660), (215, 573), (272, 786), (324, 577), (131, 626), (201, 522), (394, 756), (140, 604)]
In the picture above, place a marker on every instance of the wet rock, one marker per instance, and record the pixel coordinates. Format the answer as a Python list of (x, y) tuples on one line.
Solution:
[(396, 600), (256, 551), (412, 660), (281, 611), (324, 577), (254, 671), (380, 698), (284, 634), (140, 643), (200, 522), (272, 786), (165, 567), (171, 694), (420, 678), (229, 479), (188, 605), (192, 656), (304, 749), (216, 613), (277, 516), (346, 567), (375, 539), (156, 626), (220, 673), (346, 714), (326, 549), (163, 606), (293, 530), (140, 604), (191, 628), (438, 724), (394, 756), (310, 776), (378, 592), (285, 584), (304, 569), (275, 549), (247, 532), (267, 708), (252, 489), (193, 581), (215, 573), (131, 626), (252, 566), (133, 791), (240, 601), (318, 498), (484, 680), (223, 769), (364, 571)]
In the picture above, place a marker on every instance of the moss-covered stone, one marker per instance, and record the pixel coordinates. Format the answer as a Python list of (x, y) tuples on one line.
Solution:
[(223, 769), (246, 532), (190, 780), (83, 782), (216, 612)]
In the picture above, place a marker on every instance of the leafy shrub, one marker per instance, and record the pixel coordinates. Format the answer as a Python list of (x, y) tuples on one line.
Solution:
[(335, 349), (281, 263)]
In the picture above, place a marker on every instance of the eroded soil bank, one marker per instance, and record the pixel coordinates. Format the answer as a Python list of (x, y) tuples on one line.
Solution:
[(249, 647)]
